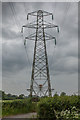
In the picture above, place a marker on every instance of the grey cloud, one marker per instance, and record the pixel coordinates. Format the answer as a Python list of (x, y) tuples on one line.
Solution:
[(8, 34), (66, 53)]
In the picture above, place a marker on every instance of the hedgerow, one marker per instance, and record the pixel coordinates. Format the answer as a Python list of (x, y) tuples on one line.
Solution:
[(59, 107), (17, 107)]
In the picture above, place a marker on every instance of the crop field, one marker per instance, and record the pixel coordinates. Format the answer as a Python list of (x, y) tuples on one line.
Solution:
[(57, 107)]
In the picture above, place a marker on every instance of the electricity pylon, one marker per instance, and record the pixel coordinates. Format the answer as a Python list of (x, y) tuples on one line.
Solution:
[(40, 78)]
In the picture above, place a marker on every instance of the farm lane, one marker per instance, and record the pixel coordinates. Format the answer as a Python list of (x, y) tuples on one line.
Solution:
[(28, 115)]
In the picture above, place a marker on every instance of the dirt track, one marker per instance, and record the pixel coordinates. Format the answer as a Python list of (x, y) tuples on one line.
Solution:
[(28, 115)]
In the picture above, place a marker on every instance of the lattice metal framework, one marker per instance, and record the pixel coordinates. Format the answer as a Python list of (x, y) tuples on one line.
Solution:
[(40, 78)]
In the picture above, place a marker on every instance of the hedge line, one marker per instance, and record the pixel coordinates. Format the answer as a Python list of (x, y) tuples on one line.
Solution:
[(47, 107), (17, 107)]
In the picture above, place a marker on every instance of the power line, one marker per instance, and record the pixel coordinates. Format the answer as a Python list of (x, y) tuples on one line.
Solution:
[(17, 24), (26, 53), (68, 10), (55, 8), (10, 4), (25, 47), (63, 21), (25, 8)]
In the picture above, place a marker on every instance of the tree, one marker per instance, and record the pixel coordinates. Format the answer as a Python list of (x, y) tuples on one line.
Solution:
[(0, 94), (56, 94), (21, 96), (63, 94), (3, 95), (9, 95)]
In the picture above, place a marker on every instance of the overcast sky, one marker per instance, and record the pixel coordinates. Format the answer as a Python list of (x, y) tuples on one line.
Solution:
[(63, 59)]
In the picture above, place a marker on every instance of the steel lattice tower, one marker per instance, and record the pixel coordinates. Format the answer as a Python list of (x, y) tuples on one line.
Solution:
[(40, 78)]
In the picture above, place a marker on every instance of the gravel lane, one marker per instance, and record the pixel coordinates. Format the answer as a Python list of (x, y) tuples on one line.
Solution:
[(28, 115)]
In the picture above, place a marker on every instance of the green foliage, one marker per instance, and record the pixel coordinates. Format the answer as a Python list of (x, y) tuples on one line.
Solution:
[(21, 96), (61, 107), (11, 107), (56, 94), (46, 109), (64, 102), (64, 107), (9, 96), (0, 94), (63, 94), (0, 108)]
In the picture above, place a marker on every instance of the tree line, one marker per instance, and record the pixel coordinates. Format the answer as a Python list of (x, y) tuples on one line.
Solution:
[(9, 96), (5, 96)]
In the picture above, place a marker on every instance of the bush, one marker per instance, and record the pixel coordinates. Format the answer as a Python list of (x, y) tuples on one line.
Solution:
[(45, 109), (12, 107), (59, 107)]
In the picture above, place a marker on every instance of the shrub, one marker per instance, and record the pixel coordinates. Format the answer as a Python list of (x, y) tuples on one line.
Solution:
[(46, 110), (17, 107), (59, 107)]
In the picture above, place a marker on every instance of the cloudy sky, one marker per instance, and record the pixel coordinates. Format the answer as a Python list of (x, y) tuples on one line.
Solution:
[(62, 58)]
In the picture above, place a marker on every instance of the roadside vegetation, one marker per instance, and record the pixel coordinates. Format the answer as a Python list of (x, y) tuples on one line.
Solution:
[(20, 106), (61, 107)]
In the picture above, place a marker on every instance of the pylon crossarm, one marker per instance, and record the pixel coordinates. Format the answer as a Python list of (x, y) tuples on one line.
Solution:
[(49, 37), (42, 11), (50, 26), (44, 25), (30, 38), (30, 26), (32, 14), (47, 14), (32, 35)]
